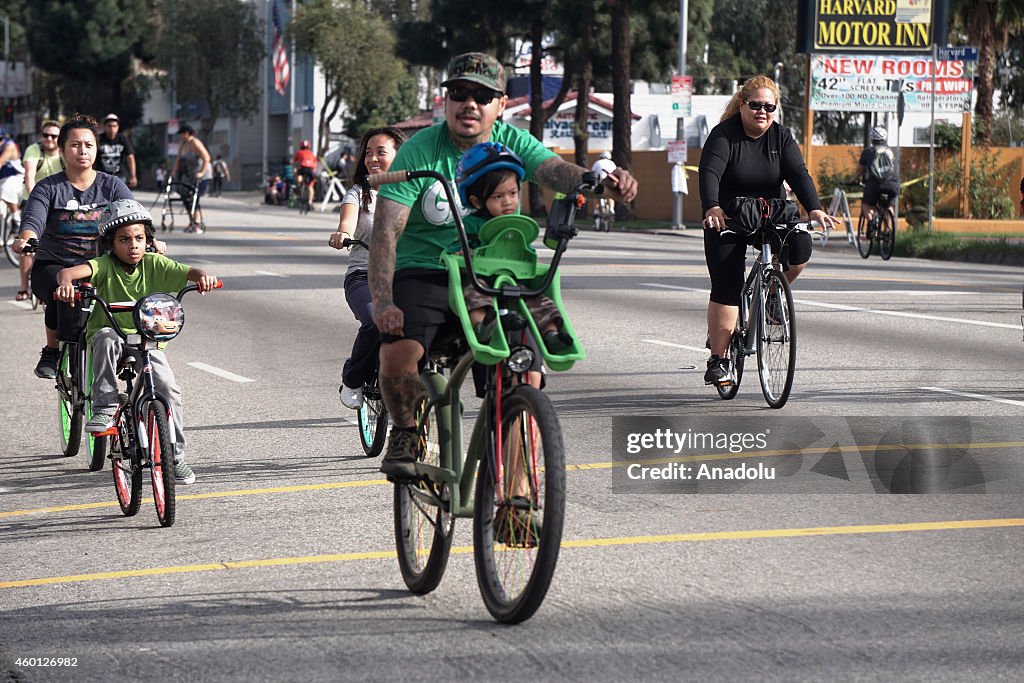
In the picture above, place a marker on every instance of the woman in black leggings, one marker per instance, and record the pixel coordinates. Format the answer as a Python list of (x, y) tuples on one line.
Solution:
[(747, 154)]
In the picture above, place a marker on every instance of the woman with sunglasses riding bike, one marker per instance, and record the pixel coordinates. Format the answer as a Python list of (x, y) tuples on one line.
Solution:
[(63, 211), (748, 154)]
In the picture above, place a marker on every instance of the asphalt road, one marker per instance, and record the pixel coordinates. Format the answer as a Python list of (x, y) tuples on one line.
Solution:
[(281, 566)]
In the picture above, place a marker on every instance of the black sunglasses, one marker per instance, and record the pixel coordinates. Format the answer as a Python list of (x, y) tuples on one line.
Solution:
[(756, 106), (482, 96), (49, 135)]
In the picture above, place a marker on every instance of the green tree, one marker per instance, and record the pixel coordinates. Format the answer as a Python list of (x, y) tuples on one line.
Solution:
[(355, 50), (87, 47), (988, 24), (211, 52)]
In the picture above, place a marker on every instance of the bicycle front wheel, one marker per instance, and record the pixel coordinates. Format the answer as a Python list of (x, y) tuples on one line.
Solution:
[(161, 460), (863, 237), (776, 339), (518, 514), (887, 238), (97, 446), (373, 420), (69, 420), (10, 234), (423, 519)]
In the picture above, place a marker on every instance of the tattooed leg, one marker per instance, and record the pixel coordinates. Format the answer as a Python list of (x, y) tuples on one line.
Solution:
[(400, 380)]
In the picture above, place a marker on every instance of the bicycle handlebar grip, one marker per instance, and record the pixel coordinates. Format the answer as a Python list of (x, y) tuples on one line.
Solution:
[(219, 285), (378, 179)]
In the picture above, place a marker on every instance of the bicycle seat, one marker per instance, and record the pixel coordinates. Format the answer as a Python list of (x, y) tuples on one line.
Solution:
[(506, 258)]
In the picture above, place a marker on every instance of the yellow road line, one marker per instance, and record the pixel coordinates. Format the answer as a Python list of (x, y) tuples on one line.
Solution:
[(581, 543), (570, 468)]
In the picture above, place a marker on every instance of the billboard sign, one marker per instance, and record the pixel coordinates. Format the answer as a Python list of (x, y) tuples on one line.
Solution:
[(871, 26)]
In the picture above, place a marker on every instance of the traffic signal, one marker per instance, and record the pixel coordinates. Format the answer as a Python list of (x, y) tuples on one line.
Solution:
[(8, 113)]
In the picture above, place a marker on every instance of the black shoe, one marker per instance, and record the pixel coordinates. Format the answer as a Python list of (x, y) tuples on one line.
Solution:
[(557, 341), (718, 371), (517, 525), (400, 459), (46, 368)]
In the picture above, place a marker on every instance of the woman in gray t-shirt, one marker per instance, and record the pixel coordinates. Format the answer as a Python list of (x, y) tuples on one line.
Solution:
[(376, 152)]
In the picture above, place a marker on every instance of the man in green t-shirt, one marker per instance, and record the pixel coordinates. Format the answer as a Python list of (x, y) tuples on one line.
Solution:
[(413, 226), (41, 159)]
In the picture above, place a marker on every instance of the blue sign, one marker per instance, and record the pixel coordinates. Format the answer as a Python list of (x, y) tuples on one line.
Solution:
[(958, 54)]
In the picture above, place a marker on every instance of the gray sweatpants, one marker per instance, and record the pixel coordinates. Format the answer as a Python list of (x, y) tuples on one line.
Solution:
[(107, 350)]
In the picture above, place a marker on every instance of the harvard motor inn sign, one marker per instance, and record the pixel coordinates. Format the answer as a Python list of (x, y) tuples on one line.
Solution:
[(872, 26)]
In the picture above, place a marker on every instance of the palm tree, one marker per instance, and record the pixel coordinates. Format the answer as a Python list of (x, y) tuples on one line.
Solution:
[(988, 24)]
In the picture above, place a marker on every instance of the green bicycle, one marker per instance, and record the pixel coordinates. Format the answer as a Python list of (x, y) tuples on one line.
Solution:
[(515, 457)]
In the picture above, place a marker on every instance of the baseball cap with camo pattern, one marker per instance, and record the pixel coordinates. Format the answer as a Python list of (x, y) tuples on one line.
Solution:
[(477, 67)]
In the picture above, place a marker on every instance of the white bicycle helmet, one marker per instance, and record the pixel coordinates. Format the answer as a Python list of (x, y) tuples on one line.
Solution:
[(879, 135), (123, 212)]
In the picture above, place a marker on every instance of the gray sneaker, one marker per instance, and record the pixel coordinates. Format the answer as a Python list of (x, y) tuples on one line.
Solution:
[(400, 459), (183, 474), (102, 420)]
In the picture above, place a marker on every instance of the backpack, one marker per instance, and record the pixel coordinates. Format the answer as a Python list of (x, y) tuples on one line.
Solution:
[(882, 166)]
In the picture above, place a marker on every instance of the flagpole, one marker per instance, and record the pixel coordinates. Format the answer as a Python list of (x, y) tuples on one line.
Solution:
[(291, 93), (265, 90)]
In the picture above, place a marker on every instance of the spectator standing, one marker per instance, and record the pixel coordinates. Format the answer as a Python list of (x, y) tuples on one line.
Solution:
[(116, 155), (221, 172)]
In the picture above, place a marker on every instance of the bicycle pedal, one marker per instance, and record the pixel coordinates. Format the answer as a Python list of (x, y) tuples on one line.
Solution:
[(110, 432)]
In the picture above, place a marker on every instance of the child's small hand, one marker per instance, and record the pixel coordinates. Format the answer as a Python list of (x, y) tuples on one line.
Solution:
[(207, 283), (65, 293)]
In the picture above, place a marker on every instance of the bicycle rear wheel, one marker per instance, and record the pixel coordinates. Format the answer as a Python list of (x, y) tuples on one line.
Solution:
[(127, 471), (735, 355), (69, 420), (161, 460), (887, 238), (776, 340), (517, 528), (423, 522), (373, 420), (10, 234), (864, 237)]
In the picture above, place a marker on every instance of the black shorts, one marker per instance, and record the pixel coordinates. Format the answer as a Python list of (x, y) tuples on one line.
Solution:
[(422, 295), (305, 171), (726, 254), (872, 192)]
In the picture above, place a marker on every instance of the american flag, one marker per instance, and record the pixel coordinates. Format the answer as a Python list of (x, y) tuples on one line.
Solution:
[(281, 70)]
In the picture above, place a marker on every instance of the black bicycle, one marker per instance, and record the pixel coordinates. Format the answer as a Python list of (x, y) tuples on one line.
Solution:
[(74, 380), (880, 228), (372, 414), (766, 324), (142, 435)]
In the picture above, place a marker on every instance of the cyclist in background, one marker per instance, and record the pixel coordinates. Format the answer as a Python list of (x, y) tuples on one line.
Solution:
[(376, 152), (602, 167), (877, 168), (193, 168), (64, 212), (304, 162), (12, 175)]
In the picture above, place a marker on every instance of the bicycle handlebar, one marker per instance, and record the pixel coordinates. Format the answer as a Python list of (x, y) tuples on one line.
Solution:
[(563, 233), (348, 242)]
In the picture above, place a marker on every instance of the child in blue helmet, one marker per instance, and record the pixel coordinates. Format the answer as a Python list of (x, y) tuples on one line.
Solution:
[(488, 178)]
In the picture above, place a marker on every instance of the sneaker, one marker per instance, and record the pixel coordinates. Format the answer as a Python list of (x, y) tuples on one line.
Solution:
[(102, 420), (517, 527), (351, 398), (400, 459), (46, 368), (557, 341), (183, 474), (718, 371)]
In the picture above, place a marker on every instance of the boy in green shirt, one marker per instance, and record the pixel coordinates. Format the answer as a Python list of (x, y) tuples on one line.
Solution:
[(128, 273)]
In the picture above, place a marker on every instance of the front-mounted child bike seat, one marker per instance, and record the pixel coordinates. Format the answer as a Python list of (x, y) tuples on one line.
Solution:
[(506, 257)]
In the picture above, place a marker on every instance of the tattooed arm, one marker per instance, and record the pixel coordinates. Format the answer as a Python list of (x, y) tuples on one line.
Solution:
[(389, 221), (562, 176)]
